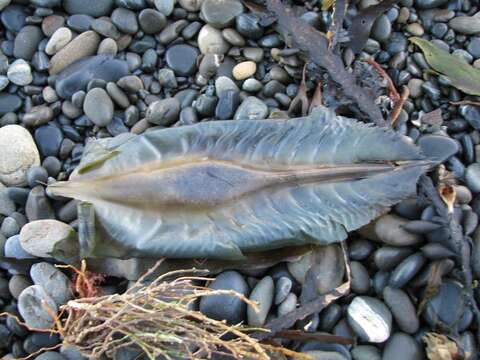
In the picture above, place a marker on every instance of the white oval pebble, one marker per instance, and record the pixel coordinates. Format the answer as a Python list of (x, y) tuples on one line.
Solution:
[(19, 153), (59, 39)]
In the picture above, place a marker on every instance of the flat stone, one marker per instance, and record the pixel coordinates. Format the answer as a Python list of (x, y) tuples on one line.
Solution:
[(252, 108), (38, 115), (76, 76), (226, 307), (60, 38), (403, 311), (26, 42), (152, 21), (221, 13), (401, 346), (13, 17), (20, 73), (262, 294), (52, 23), (48, 138), (468, 25), (80, 22), (389, 229), (38, 206), (7, 206), (9, 103), (13, 249), (472, 177), (19, 153), (366, 352), (163, 112), (4, 4), (31, 305), (429, 4), (406, 270), (98, 107), (125, 20), (93, 8), (244, 70), (56, 284), (370, 319), (182, 59), (41, 237), (224, 84), (85, 44), (164, 6), (211, 41)]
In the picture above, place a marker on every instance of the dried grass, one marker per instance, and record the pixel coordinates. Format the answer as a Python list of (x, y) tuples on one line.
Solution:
[(157, 318)]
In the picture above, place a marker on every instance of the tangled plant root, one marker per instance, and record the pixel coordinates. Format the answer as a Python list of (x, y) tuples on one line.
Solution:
[(157, 319)]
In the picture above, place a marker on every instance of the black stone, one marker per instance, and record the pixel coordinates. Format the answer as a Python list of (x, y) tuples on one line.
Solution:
[(13, 17), (93, 8), (182, 59), (80, 22), (226, 307), (227, 104), (77, 76), (438, 147), (48, 139), (9, 103), (249, 26)]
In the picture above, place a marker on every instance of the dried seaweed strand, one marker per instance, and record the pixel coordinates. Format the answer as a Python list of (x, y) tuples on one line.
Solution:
[(460, 243), (465, 102), (315, 44), (307, 336), (286, 321), (399, 105), (392, 91)]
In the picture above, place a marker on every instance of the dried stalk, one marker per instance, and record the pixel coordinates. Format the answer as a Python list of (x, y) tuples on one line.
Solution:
[(157, 319)]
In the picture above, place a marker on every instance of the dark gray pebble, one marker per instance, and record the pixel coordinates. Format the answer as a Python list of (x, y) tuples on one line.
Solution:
[(182, 59), (38, 206), (402, 309), (13, 17), (402, 347), (9, 103), (26, 42), (406, 270), (93, 8), (387, 257), (227, 104), (48, 139), (226, 307), (439, 148)]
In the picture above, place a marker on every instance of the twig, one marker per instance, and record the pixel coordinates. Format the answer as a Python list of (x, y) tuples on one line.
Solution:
[(322, 301), (465, 102), (392, 91), (339, 11), (322, 337), (399, 105)]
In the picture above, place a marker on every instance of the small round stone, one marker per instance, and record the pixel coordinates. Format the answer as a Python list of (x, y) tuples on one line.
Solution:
[(98, 107), (56, 283), (41, 237), (59, 39), (95, 8), (163, 112), (20, 73), (262, 294), (182, 59), (151, 21), (403, 311), (19, 153), (252, 108), (211, 41), (401, 346), (31, 305), (472, 177), (370, 319), (221, 13), (244, 70), (26, 42), (226, 307)]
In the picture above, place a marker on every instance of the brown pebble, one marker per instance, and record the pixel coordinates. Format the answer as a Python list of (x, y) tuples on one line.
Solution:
[(244, 70)]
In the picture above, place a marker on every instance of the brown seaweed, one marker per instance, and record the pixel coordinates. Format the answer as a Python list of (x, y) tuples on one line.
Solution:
[(362, 23), (316, 45), (219, 189)]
